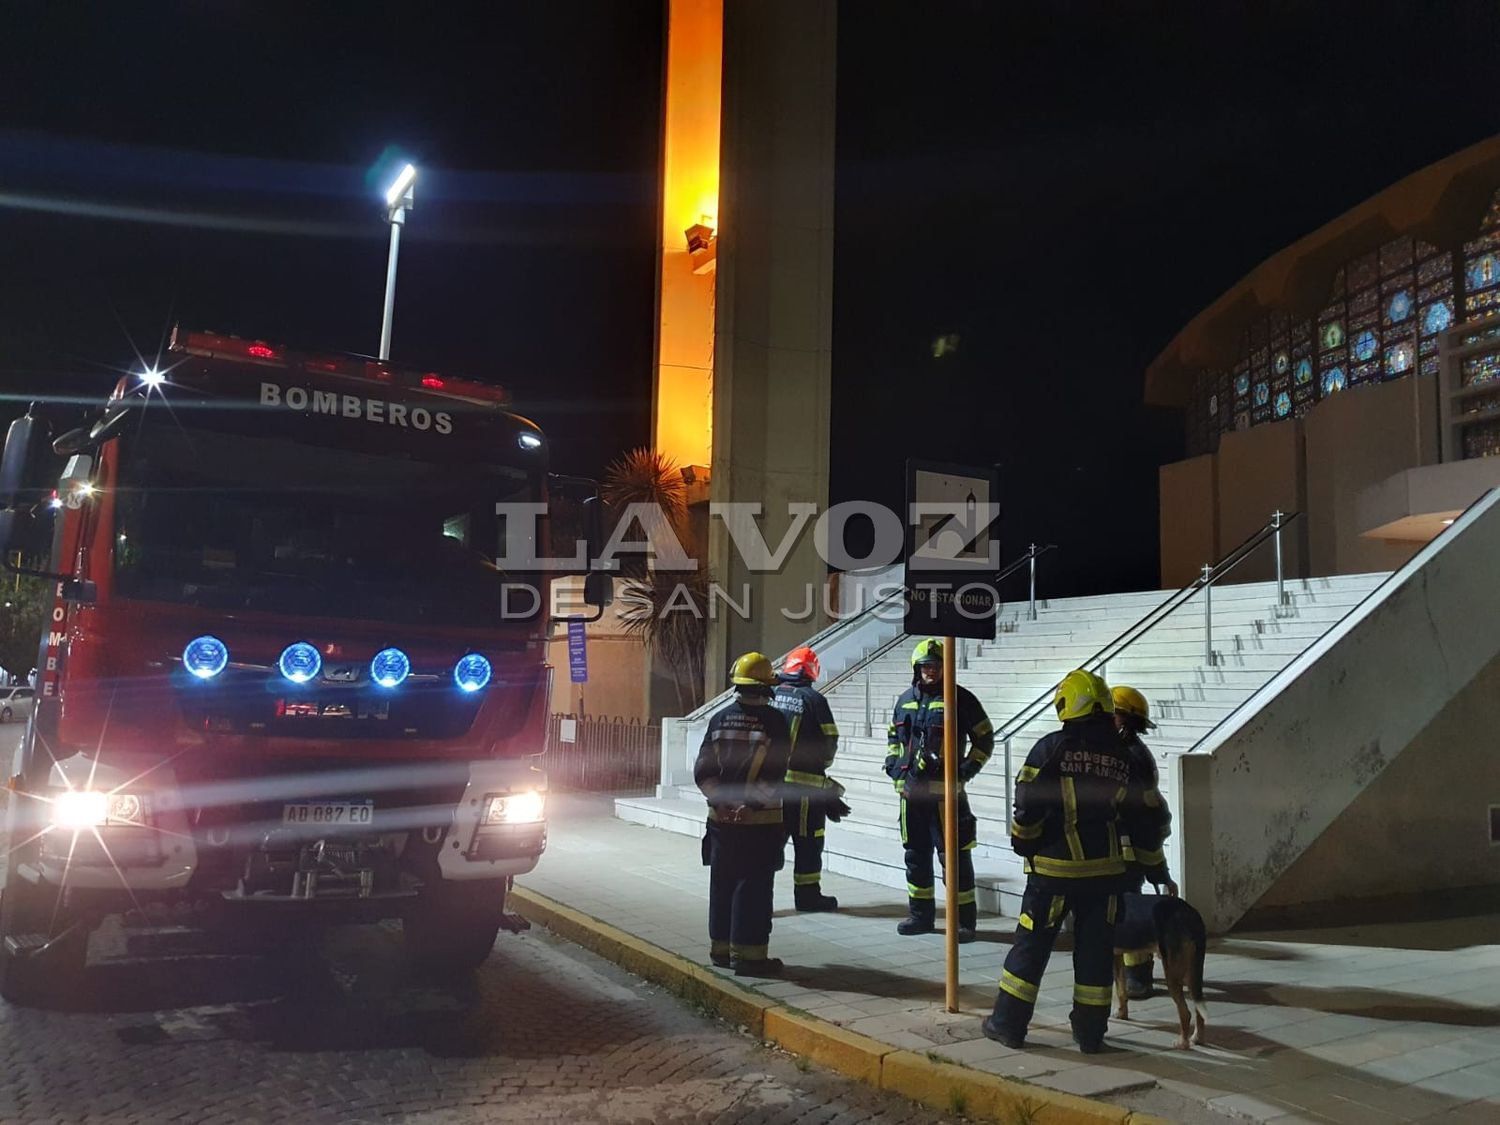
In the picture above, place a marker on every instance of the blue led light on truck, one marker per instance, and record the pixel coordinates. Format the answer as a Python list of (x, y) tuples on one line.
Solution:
[(300, 662), (389, 667), (205, 657), (472, 672)]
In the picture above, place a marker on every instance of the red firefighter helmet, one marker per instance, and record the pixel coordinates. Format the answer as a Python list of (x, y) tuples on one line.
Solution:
[(802, 662)]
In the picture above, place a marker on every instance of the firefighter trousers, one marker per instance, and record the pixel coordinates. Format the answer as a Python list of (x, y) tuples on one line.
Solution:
[(806, 824), (921, 835), (742, 862), (1042, 914), (1139, 966)]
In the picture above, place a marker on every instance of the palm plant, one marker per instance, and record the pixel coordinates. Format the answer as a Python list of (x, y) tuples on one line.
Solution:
[(667, 609)]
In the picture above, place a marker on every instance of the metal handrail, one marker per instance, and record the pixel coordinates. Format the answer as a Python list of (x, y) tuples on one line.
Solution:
[(714, 702), (1153, 618), (1165, 609), (1032, 554)]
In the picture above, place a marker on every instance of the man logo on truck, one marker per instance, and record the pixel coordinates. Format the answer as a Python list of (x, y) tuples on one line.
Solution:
[(354, 406)]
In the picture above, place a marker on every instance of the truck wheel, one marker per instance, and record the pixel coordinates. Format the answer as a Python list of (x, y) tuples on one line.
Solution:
[(452, 927), (48, 979)]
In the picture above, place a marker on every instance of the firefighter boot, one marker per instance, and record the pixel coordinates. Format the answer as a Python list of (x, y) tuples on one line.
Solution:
[(994, 1029), (811, 900), (915, 924), (758, 967)]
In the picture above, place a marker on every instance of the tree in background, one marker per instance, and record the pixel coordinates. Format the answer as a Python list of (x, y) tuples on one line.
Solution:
[(667, 609), (23, 615)]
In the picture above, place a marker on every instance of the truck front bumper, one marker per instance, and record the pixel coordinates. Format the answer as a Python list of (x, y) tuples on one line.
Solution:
[(176, 840)]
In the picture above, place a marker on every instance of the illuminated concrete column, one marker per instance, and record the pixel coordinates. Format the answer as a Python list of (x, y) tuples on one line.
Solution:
[(774, 308), (682, 406)]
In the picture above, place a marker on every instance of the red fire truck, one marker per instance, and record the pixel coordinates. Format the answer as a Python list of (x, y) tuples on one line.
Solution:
[(287, 676)]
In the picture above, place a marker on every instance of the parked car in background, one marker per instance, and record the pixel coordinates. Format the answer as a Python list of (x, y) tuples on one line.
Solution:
[(15, 703)]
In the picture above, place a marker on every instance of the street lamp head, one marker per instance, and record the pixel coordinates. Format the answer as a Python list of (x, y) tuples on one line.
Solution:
[(399, 194)]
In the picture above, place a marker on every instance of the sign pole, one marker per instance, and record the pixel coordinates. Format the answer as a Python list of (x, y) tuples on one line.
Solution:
[(952, 559), (950, 818)]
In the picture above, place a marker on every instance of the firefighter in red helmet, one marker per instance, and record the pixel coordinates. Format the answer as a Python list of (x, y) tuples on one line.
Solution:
[(811, 798)]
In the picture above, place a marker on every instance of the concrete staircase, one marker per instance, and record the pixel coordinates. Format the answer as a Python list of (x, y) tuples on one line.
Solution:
[(1253, 640)]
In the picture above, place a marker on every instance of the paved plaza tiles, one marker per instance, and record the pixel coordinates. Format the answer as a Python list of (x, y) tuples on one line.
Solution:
[(1399, 1022)]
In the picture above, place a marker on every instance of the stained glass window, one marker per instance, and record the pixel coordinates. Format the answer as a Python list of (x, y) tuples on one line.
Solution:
[(1482, 441), (1482, 264), (1333, 346), (1398, 360), (1480, 335), (1484, 271), (1304, 386), (1260, 375), (1398, 308), (1434, 302), (1226, 404), (1385, 314), (1242, 388), (1363, 325), (1482, 404), (1478, 370)]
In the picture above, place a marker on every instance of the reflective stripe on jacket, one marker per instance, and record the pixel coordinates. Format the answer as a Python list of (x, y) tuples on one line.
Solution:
[(914, 744), (814, 734), (742, 762), (1079, 795)]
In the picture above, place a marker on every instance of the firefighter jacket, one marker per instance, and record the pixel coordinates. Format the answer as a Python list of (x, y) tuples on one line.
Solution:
[(914, 743), (815, 736), (742, 763), (1141, 755), (1082, 799)]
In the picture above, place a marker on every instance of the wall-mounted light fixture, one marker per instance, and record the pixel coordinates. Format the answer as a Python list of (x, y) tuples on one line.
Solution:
[(702, 244)]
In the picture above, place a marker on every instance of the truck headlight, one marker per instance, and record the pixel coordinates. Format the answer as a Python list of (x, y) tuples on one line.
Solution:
[(514, 808), (77, 809)]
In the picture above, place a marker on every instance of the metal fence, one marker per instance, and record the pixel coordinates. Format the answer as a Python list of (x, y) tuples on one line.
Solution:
[(602, 755)]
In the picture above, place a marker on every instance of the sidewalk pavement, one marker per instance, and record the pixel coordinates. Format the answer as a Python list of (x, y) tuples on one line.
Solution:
[(1363, 1025)]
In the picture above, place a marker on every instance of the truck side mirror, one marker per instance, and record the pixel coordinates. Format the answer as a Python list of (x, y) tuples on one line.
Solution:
[(593, 526), (20, 440), (74, 441), (598, 589)]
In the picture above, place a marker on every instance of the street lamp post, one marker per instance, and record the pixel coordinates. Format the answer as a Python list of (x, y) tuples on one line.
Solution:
[(398, 201)]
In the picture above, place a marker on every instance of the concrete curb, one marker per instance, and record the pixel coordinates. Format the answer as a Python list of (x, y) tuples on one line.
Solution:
[(943, 1086)]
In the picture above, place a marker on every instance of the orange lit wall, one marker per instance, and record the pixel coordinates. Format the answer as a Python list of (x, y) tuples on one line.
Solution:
[(682, 410)]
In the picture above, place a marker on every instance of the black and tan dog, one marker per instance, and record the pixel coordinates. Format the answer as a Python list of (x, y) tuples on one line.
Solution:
[(1173, 931)]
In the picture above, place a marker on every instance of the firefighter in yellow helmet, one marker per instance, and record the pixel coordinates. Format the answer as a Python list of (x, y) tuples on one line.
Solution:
[(914, 761), (1132, 718), (1078, 794), (741, 767)]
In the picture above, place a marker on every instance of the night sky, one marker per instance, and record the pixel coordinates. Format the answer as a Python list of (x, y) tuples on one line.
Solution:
[(1061, 186)]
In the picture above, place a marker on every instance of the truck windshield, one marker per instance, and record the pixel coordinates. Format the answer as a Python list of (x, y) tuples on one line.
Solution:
[(251, 521)]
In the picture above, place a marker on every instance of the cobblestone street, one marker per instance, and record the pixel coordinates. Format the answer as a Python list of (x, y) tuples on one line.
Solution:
[(544, 1032)]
